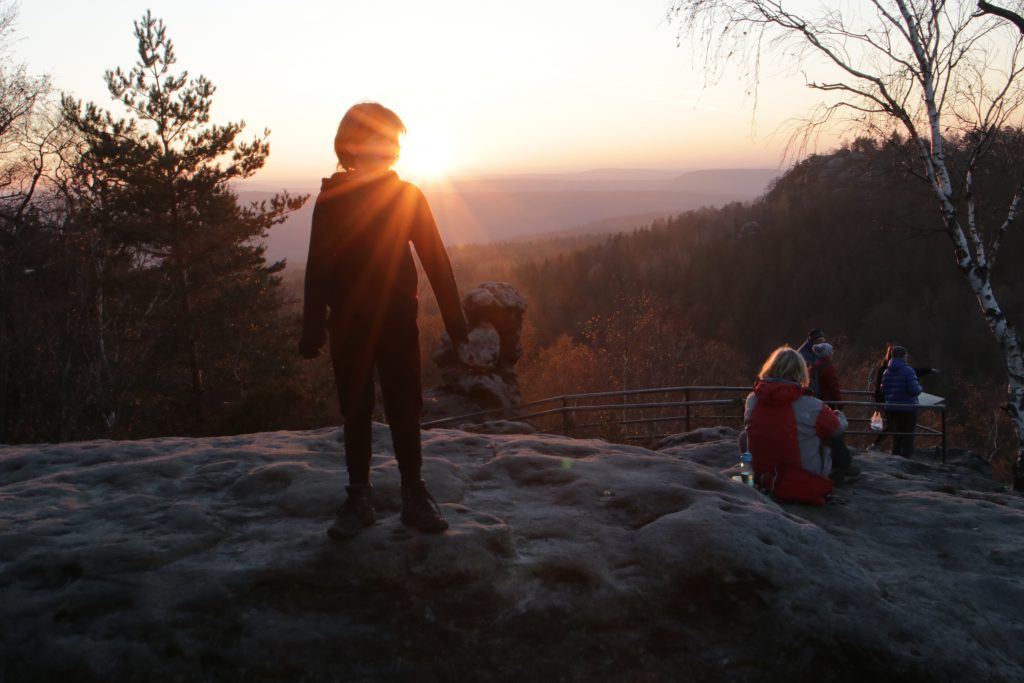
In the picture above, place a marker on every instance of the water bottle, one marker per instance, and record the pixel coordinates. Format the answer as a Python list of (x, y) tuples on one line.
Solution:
[(747, 468)]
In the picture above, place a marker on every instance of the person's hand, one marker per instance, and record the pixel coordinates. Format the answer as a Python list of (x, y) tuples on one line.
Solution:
[(309, 348), (470, 357)]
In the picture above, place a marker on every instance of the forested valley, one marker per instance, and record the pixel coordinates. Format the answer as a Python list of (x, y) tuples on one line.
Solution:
[(845, 241)]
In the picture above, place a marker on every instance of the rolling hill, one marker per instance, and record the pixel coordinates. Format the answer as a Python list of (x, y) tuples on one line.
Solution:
[(474, 210)]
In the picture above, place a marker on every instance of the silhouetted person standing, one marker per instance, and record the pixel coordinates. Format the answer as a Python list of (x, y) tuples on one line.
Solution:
[(361, 269)]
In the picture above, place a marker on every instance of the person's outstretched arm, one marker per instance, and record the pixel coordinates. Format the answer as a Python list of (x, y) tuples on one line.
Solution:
[(913, 385), (438, 267), (314, 303)]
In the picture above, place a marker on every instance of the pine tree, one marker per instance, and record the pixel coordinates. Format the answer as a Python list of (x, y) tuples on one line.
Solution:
[(182, 286)]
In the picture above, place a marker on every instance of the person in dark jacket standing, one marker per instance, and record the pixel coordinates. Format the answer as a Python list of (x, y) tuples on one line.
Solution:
[(825, 386), (360, 269), (879, 396), (901, 389), (824, 378), (806, 349)]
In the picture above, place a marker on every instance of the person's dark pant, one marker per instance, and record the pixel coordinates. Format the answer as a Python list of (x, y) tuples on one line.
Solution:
[(841, 456), (902, 421), (394, 351)]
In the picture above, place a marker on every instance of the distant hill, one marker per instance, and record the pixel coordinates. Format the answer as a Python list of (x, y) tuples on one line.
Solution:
[(477, 210), (605, 226)]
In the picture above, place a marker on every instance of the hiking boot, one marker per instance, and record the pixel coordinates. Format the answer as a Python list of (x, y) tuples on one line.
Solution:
[(420, 511), (355, 514), (845, 475)]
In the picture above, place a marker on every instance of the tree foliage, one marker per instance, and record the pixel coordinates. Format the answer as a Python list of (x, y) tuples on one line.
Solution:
[(928, 72), (176, 250), (155, 310)]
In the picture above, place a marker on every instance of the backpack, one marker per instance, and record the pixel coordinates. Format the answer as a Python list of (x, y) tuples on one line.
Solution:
[(815, 386)]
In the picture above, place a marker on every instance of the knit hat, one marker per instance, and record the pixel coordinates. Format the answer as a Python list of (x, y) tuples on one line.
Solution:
[(822, 350), (899, 352)]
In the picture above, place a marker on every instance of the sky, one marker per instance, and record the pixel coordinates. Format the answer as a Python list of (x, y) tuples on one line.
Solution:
[(537, 86)]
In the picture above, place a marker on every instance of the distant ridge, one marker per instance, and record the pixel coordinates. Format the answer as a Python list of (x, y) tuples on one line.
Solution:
[(489, 209), (606, 226)]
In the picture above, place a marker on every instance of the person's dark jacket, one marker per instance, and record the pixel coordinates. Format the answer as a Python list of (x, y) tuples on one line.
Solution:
[(900, 386), (807, 351), (360, 266), (880, 372)]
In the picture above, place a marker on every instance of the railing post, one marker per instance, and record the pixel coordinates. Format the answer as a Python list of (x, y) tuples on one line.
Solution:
[(686, 397), (942, 414), (566, 420)]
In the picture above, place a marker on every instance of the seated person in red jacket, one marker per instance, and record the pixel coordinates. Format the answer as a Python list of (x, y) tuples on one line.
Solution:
[(787, 431)]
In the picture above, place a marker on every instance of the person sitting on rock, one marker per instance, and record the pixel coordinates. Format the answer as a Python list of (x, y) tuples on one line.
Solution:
[(360, 267), (787, 431)]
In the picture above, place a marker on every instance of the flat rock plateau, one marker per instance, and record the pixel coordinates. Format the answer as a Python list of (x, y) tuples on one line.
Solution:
[(182, 559)]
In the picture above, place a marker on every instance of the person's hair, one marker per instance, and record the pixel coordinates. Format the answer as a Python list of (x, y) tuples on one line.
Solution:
[(888, 353), (359, 123), (786, 363)]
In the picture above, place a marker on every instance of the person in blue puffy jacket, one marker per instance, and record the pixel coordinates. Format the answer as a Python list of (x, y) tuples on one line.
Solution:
[(901, 389)]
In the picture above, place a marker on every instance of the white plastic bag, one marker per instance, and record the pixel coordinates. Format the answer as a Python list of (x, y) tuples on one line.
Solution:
[(877, 423)]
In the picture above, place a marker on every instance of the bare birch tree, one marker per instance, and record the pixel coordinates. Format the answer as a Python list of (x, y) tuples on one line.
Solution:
[(927, 71)]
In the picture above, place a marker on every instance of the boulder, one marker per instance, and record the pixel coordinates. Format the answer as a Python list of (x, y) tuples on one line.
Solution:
[(483, 371)]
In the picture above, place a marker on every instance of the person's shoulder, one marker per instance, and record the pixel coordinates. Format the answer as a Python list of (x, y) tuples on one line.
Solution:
[(808, 403), (332, 187), (406, 187)]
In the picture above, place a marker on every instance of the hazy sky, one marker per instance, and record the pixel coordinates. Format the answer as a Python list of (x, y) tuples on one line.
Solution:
[(531, 86)]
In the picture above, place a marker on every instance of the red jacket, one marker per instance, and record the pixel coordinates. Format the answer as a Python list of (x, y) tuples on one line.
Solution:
[(786, 430), (828, 379)]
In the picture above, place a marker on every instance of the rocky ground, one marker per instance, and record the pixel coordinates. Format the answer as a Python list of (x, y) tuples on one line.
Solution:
[(567, 560)]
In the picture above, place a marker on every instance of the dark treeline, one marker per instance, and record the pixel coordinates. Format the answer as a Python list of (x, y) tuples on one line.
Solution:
[(846, 241), (136, 299)]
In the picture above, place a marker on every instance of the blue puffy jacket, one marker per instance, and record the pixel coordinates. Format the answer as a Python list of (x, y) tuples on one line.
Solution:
[(900, 386)]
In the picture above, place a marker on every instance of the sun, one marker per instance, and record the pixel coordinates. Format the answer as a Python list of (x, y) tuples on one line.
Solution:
[(424, 157)]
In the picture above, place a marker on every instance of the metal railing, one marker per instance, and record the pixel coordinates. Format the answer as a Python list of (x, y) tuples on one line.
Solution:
[(622, 417)]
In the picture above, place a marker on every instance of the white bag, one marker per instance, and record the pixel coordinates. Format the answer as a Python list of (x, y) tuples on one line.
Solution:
[(877, 423)]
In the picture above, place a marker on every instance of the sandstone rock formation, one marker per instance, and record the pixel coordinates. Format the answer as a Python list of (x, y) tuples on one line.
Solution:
[(485, 376), (567, 560)]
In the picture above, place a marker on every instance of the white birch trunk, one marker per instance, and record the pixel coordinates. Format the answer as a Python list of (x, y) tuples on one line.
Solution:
[(1009, 342)]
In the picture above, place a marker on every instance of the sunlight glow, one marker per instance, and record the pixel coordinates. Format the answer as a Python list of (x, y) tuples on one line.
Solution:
[(424, 156)]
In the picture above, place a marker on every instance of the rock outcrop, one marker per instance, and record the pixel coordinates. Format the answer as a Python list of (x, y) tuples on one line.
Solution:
[(485, 376), (567, 560)]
